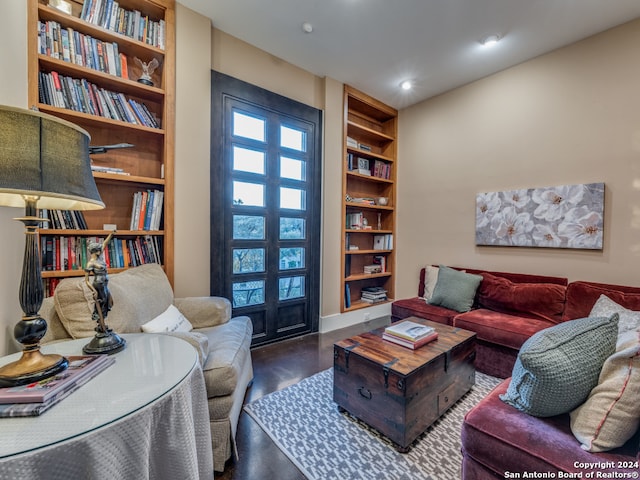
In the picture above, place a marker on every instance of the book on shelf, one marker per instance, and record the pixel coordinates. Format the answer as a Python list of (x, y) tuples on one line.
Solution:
[(355, 221), (63, 219), (35, 398), (114, 170), (146, 211), (413, 345), (109, 15), (373, 294), (409, 330), (382, 261), (60, 253), (363, 166), (82, 96), (347, 296), (370, 269), (74, 47), (383, 242), (381, 169)]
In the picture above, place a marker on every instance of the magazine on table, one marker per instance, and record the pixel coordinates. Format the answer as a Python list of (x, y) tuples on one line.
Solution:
[(409, 344), (409, 330), (80, 366), (38, 408)]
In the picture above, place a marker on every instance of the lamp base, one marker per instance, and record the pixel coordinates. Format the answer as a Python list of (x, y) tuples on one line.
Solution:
[(32, 367), (105, 342)]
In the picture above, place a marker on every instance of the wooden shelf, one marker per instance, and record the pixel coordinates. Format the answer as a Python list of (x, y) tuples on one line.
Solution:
[(368, 122), (369, 134), (368, 207), (110, 82), (74, 273), (115, 177), (369, 178), (367, 153), (98, 233), (150, 162), (358, 304)]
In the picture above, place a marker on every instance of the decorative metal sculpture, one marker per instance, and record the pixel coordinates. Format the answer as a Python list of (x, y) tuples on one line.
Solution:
[(105, 340), (147, 70)]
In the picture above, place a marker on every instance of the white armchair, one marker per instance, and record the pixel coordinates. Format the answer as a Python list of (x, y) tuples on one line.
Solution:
[(142, 293)]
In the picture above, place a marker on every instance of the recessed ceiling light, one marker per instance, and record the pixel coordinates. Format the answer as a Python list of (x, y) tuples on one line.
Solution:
[(406, 85), (490, 40), (307, 27)]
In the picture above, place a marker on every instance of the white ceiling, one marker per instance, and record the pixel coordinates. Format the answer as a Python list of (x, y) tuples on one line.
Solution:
[(374, 45)]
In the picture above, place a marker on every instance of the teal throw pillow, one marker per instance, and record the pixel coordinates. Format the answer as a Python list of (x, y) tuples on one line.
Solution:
[(558, 367), (454, 289)]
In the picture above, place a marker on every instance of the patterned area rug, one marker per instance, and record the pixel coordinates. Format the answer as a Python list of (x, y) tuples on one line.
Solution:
[(324, 444)]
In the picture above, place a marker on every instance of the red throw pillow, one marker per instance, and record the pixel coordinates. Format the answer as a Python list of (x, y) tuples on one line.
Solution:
[(534, 300)]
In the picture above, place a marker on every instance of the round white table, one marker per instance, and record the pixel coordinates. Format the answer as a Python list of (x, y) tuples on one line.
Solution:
[(145, 416)]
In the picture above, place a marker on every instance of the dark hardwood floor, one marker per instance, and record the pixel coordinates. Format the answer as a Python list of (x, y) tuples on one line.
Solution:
[(275, 367)]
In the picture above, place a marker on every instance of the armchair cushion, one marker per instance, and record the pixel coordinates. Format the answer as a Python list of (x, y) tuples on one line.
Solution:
[(205, 311), (228, 352), (153, 295)]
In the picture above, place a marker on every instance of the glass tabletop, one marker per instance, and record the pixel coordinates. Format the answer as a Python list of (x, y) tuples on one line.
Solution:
[(150, 366)]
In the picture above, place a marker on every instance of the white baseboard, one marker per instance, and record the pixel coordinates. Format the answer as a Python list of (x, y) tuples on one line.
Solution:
[(347, 319)]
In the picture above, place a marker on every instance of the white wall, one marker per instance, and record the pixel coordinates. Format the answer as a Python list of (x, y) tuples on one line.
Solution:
[(193, 126), (13, 92), (569, 117)]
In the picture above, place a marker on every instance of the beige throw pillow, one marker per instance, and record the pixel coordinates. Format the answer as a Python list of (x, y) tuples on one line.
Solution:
[(611, 414), (139, 295), (171, 320), (605, 307), (430, 280)]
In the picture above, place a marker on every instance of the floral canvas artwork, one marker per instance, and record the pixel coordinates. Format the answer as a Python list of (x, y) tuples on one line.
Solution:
[(567, 216)]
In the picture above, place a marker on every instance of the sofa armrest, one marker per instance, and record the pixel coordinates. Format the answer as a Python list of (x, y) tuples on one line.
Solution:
[(204, 311)]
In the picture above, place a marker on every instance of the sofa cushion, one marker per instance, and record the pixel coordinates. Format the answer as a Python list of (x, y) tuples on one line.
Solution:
[(171, 320), (229, 345), (605, 307), (431, 278), (611, 414), (500, 328), (557, 367), (416, 306), (505, 439), (454, 289), (139, 295), (534, 300), (582, 296)]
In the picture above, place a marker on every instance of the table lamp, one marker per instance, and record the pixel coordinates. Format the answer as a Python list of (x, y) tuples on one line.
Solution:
[(44, 163)]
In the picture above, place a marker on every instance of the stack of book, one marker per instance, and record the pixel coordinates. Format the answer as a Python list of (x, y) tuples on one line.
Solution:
[(373, 295), (36, 398), (146, 211), (409, 334), (371, 269)]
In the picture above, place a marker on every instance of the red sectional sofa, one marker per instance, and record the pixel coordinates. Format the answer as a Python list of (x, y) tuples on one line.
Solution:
[(508, 309), (499, 441)]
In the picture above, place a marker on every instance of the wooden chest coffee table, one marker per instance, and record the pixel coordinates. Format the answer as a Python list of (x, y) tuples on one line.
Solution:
[(399, 391)]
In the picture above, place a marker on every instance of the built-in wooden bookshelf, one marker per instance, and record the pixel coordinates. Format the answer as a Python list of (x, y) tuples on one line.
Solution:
[(102, 94), (368, 224)]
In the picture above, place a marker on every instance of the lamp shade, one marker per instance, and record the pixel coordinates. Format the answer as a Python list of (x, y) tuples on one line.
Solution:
[(45, 157)]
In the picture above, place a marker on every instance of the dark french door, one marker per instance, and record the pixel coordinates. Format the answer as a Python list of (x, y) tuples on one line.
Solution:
[(265, 207)]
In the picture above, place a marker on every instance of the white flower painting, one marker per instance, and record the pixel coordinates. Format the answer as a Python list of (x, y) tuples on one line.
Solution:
[(568, 216)]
